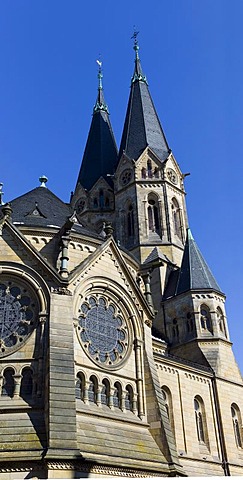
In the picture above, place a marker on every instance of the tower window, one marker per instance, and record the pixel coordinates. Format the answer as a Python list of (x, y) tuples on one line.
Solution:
[(153, 216), (220, 319), (199, 420), (101, 198), (130, 222), (205, 316), (95, 203), (144, 173), (236, 420), (175, 329), (149, 169), (176, 215), (189, 322)]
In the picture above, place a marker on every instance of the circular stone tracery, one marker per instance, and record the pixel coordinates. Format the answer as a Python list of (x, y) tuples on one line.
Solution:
[(102, 331), (18, 311)]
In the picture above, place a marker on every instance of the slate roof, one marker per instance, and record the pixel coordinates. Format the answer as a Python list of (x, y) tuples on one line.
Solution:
[(142, 127), (42, 208), (194, 273), (100, 156)]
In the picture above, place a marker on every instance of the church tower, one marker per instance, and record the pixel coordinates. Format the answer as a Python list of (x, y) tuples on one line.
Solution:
[(149, 190), (93, 198)]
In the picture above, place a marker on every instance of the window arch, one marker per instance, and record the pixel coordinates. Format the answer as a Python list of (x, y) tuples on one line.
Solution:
[(105, 392), (175, 329), (8, 382), (176, 216), (26, 386), (200, 419), (129, 398), (236, 420), (167, 400), (130, 221), (220, 320), (153, 215), (80, 386), (205, 318), (93, 389), (189, 322), (117, 395)]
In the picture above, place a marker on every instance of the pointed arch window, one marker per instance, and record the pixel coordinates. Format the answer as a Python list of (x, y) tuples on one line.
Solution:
[(149, 169), (199, 418), (101, 198), (8, 383), (95, 203), (176, 216), (144, 173), (236, 420), (26, 386), (175, 329), (221, 322), (205, 317), (189, 322), (167, 400)]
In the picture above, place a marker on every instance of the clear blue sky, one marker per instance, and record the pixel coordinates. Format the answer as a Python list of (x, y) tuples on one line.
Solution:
[(191, 52)]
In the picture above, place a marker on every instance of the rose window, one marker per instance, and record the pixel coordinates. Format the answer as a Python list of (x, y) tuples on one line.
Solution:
[(18, 311), (102, 331)]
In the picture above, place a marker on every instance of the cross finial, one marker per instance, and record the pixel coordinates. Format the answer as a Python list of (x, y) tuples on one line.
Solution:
[(100, 74), (1, 194), (135, 38)]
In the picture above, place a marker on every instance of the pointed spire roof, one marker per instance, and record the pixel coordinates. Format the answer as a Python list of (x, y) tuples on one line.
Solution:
[(142, 127), (100, 155), (194, 272)]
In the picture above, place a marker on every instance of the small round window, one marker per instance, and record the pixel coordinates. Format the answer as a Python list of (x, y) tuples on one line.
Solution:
[(102, 331)]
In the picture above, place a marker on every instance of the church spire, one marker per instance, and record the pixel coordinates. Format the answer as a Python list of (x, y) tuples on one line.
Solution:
[(100, 155), (142, 127), (194, 272)]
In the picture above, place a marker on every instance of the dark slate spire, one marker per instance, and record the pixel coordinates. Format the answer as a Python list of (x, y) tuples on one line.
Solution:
[(142, 126), (100, 155), (194, 273)]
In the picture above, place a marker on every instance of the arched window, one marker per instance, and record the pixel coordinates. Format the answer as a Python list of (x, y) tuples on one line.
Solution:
[(129, 398), (26, 386), (93, 388), (8, 382), (95, 203), (236, 419), (143, 172), (177, 223), (205, 317), (175, 329), (117, 395), (80, 386), (189, 322), (101, 198), (107, 202), (167, 400), (105, 392), (130, 221), (153, 215), (198, 408), (220, 320), (149, 169)]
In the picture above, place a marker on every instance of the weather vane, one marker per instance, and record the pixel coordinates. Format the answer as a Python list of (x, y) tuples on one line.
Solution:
[(134, 36), (100, 76)]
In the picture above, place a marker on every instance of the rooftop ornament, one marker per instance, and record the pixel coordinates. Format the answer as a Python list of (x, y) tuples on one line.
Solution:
[(1, 194), (43, 179), (138, 74)]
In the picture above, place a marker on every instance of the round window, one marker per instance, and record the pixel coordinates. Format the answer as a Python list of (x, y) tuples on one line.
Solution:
[(102, 331), (18, 314)]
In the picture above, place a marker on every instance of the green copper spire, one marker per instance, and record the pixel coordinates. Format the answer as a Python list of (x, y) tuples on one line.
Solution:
[(138, 74), (100, 102)]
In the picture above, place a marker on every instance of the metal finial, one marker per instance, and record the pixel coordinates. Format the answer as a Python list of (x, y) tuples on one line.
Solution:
[(43, 179), (100, 74), (135, 38), (1, 194)]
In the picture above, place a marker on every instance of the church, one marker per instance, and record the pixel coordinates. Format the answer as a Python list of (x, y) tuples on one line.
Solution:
[(115, 354)]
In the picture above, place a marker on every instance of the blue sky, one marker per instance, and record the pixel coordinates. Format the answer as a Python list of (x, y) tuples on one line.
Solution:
[(191, 52)]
